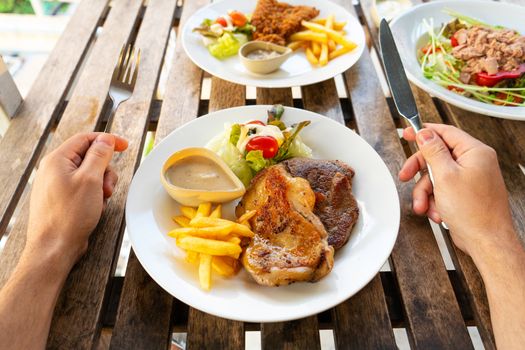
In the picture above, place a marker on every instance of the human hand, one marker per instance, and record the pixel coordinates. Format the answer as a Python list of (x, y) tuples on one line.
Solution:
[(70, 189), (469, 193)]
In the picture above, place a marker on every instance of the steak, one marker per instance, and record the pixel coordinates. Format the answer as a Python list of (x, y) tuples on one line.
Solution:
[(335, 205), (290, 242)]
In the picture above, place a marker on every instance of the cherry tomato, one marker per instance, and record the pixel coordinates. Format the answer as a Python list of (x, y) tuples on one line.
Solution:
[(255, 122), (267, 144), (221, 21), (453, 41), (238, 19)]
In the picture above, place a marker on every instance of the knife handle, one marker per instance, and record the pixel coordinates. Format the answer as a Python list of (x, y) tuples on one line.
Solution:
[(429, 170)]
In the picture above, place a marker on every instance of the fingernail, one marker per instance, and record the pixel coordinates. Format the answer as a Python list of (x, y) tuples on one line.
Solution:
[(106, 139), (425, 136)]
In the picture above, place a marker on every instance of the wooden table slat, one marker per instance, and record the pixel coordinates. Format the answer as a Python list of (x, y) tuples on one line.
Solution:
[(206, 331), (298, 334), (83, 111), (144, 304), (369, 321), (79, 328), (467, 271), (25, 137), (431, 309)]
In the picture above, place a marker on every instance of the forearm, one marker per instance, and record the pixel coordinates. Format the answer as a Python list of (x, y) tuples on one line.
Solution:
[(502, 266), (28, 299)]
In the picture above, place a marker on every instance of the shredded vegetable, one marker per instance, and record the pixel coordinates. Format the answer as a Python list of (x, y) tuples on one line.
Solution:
[(439, 65)]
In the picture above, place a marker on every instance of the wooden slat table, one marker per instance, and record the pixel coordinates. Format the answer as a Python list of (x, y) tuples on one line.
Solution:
[(433, 305)]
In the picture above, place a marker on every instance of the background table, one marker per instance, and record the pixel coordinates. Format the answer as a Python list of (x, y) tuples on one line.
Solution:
[(71, 95)]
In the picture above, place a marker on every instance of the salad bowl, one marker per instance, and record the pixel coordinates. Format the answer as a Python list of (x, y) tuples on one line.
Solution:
[(409, 30)]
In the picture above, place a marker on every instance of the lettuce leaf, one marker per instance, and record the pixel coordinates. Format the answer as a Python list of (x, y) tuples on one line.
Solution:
[(235, 134), (256, 160), (222, 146)]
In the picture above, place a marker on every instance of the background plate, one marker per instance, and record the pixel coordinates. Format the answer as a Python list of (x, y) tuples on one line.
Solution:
[(296, 71), (408, 29), (149, 210)]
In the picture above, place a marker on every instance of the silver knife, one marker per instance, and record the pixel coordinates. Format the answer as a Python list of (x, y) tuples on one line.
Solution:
[(398, 83)]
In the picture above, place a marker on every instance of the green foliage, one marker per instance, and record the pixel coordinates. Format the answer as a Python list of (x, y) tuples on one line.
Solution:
[(16, 6)]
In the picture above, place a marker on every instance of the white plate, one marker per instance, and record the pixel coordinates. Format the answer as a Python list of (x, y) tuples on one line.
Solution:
[(149, 210), (408, 29), (296, 71)]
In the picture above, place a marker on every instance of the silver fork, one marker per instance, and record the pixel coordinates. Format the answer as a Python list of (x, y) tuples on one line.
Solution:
[(123, 79)]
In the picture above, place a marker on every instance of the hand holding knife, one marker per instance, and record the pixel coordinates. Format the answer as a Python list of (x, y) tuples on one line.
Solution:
[(398, 83)]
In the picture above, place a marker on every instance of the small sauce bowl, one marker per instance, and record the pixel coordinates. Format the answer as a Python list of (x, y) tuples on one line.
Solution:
[(263, 65), (191, 196)]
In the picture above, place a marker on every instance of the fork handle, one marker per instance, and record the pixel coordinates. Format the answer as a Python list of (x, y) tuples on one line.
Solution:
[(115, 104)]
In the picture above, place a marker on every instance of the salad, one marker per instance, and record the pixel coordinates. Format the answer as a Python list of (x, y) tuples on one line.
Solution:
[(248, 148), (226, 34), (475, 59)]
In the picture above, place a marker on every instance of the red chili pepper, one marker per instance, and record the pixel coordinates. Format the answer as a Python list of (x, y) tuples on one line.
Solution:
[(453, 41), (485, 79)]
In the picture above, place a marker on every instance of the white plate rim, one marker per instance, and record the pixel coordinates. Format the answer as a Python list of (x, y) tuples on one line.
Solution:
[(280, 318), (505, 112), (301, 80)]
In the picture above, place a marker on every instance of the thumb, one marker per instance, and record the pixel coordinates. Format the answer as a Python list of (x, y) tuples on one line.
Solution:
[(434, 150), (99, 155)]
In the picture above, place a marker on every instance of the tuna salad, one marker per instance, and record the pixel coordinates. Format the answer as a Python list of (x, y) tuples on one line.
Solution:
[(476, 60)]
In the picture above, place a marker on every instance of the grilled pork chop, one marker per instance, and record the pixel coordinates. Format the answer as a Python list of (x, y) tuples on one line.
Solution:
[(335, 205), (290, 241)]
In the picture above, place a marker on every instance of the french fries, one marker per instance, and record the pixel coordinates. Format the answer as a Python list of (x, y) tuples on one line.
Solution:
[(211, 242), (323, 39)]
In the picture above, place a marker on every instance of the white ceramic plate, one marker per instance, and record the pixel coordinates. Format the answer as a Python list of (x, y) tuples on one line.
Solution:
[(408, 29), (149, 210), (296, 71)]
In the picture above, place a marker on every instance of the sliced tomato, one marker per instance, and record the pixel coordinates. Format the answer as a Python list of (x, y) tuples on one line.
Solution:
[(255, 122), (221, 21), (453, 41), (267, 144), (238, 18)]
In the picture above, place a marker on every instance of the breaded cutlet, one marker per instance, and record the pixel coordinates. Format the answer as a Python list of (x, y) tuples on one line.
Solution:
[(276, 21)]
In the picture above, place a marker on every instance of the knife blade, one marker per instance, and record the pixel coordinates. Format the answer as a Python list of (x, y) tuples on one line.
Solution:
[(396, 77), (398, 84)]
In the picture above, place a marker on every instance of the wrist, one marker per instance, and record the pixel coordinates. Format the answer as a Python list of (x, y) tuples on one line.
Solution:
[(52, 255), (499, 253)]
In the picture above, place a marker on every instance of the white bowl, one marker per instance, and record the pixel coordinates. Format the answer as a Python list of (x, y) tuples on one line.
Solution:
[(408, 29)]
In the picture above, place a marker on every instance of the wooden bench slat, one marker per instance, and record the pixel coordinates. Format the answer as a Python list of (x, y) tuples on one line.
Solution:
[(431, 309), (298, 334), (136, 312), (25, 137), (204, 330), (369, 320)]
